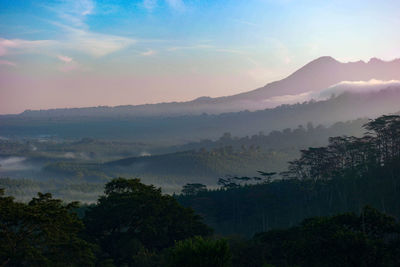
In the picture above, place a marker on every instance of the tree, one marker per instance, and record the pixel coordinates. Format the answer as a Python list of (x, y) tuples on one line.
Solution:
[(133, 217), (193, 189), (268, 175), (44, 232), (200, 252), (368, 239)]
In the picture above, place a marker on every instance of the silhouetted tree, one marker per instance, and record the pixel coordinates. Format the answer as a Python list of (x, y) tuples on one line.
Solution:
[(132, 217)]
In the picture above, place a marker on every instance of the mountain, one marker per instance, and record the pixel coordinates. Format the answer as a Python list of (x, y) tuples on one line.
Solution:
[(322, 73), (172, 130), (317, 75)]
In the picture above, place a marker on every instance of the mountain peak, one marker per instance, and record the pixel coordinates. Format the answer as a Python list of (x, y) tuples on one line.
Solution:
[(325, 59)]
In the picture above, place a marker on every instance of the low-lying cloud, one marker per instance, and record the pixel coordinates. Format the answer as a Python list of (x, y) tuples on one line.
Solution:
[(335, 90), (356, 87), (14, 164)]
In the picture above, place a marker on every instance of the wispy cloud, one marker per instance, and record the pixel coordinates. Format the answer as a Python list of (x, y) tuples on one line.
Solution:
[(65, 59), (289, 99), (78, 36), (149, 53), (17, 46), (95, 44), (8, 46), (73, 12), (356, 87), (69, 64)]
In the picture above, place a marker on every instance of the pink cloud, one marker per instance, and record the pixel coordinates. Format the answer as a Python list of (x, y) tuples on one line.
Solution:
[(6, 44), (65, 59)]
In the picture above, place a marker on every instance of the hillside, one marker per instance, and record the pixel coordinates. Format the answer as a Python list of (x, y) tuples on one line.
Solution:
[(319, 74), (183, 129)]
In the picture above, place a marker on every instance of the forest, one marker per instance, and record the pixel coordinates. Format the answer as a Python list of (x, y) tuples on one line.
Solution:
[(78, 169), (335, 205)]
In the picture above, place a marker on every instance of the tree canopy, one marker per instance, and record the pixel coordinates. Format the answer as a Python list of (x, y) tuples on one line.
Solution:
[(43, 232), (132, 216)]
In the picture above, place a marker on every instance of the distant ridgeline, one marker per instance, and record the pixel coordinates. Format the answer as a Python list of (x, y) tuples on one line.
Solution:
[(345, 175), (319, 74), (174, 130)]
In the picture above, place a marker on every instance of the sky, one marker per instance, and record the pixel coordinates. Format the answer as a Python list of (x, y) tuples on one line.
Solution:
[(56, 54)]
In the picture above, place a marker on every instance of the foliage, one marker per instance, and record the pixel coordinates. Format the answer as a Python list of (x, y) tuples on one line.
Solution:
[(132, 217), (193, 189), (344, 176), (200, 252), (378, 147), (43, 232), (368, 239)]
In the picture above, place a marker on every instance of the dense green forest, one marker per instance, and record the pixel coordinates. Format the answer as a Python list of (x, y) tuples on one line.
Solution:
[(337, 205)]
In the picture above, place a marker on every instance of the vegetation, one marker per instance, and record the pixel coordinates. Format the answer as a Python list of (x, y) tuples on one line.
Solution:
[(337, 206), (43, 232), (49, 162), (132, 217), (200, 252), (172, 130), (346, 175), (129, 226), (368, 239)]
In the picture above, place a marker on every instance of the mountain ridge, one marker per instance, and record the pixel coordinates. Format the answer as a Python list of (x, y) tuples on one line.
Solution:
[(328, 71)]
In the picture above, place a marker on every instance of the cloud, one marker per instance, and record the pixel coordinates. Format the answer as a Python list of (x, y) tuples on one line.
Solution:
[(91, 43), (335, 90), (149, 53), (289, 99), (96, 44), (7, 45), (65, 59), (356, 87), (78, 36), (87, 6), (16, 46), (69, 64), (73, 12)]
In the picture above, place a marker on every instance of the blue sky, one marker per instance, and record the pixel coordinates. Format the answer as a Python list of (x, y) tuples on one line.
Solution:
[(89, 53)]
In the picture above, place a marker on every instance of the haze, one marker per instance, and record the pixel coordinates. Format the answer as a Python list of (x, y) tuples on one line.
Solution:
[(56, 54)]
